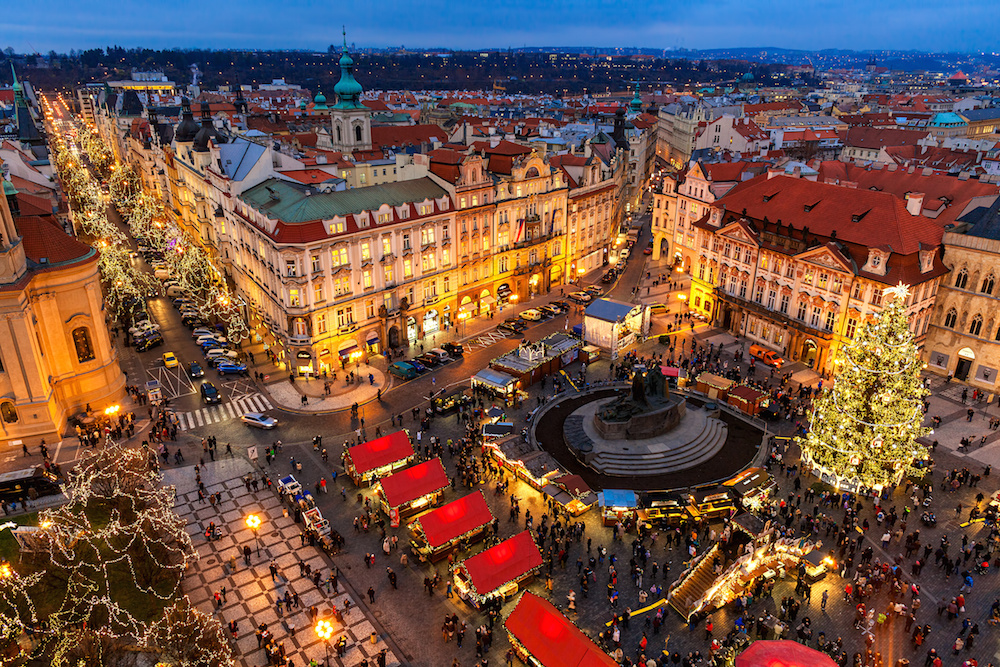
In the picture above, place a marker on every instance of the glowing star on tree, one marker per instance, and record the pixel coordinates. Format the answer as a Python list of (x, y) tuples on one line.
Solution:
[(864, 429)]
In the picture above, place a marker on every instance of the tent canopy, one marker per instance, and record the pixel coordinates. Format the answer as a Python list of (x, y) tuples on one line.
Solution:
[(748, 394), (494, 379), (551, 638), (782, 653), (455, 519), (380, 452), (617, 498), (412, 483), (507, 561)]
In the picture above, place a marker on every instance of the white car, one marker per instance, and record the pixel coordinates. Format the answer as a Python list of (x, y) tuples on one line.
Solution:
[(259, 420), (531, 314), (198, 333), (143, 327)]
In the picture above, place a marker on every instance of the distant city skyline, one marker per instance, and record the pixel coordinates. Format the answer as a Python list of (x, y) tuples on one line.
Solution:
[(61, 25)]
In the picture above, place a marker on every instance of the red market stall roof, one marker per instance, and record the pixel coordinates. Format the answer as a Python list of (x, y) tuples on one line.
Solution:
[(380, 452), (412, 483), (748, 394), (782, 653), (551, 638), (455, 519), (507, 561)]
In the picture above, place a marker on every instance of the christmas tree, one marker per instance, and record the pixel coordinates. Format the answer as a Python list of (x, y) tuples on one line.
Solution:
[(864, 429)]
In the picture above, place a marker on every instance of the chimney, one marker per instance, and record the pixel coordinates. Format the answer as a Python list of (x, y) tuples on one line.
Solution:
[(797, 172), (774, 171), (849, 184), (914, 202)]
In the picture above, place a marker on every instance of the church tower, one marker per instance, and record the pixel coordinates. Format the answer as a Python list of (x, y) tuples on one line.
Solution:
[(351, 123), (13, 263)]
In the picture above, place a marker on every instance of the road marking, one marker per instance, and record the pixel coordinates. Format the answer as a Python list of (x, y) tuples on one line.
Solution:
[(55, 457), (229, 410), (197, 415)]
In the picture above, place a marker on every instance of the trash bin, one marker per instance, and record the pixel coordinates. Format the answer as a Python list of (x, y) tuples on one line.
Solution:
[(374, 637)]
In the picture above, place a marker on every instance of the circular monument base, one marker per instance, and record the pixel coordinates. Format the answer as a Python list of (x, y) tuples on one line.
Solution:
[(659, 418)]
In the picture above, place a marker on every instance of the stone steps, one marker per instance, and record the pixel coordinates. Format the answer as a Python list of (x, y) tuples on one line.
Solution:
[(701, 448)]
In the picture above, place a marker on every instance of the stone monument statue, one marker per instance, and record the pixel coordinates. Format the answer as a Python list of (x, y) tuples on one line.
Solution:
[(639, 389), (656, 383)]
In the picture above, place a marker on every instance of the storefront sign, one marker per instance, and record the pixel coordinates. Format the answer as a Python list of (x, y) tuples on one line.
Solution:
[(303, 355)]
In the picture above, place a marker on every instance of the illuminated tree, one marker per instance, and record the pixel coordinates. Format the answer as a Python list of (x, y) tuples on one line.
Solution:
[(189, 638), (864, 428)]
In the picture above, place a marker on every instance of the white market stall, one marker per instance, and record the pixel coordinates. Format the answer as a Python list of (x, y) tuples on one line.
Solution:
[(615, 325)]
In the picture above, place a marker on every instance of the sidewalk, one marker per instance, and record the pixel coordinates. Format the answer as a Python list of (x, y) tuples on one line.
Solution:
[(250, 600), (289, 395)]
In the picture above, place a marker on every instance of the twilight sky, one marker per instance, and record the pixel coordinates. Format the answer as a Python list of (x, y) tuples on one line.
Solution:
[(926, 25)]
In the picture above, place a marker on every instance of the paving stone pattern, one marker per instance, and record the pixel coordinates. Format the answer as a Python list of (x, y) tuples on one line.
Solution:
[(250, 591)]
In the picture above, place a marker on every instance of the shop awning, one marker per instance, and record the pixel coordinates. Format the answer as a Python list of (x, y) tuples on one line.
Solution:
[(487, 300), (784, 652), (412, 483), (455, 519), (467, 308), (346, 351), (503, 563), (494, 379), (380, 452), (551, 638), (617, 498), (670, 371), (372, 337)]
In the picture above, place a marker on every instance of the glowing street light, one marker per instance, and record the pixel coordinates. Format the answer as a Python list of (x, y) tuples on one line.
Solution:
[(324, 630), (253, 523)]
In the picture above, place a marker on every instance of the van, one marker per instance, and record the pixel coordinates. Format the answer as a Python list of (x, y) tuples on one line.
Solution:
[(403, 370), (218, 338), (17, 484), (221, 352), (441, 355), (658, 309), (175, 290), (161, 274), (769, 357)]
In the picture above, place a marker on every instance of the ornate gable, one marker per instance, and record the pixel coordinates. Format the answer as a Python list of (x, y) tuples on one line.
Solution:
[(826, 259), (738, 231)]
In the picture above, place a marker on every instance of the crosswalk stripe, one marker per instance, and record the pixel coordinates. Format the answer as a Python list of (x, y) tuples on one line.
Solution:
[(254, 401), (197, 415), (190, 419), (267, 403), (214, 414), (229, 409)]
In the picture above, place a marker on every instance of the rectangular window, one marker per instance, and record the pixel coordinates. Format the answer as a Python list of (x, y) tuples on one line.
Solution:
[(366, 251), (445, 256), (727, 249), (426, 236), (338, 227), (831, 319), (763, 262), (837, 284), (447, 284), (407, 268), (743, 288), (790, 270), (338, 257), (370, 308), (701, 272), (771, 295), (759, 294), (822, 280), (856, 291), (367, 280), (387, 274), (406, 241), (807, 276), (876, 297), (814, 318), (321, 323), (293, 297), (345, 316), (291, 267), (801, 314), (316, 266), (386, 245), (341, 286), (504, 265), (427, 262), (318, 293)]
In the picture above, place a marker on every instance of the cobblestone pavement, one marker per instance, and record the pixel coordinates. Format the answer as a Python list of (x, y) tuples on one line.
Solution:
[(251, 591)]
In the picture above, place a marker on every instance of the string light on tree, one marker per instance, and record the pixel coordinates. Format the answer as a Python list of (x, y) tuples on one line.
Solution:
[(864, 430)]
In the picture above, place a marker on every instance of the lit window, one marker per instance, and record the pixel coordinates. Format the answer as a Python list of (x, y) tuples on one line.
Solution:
[(84, 349)]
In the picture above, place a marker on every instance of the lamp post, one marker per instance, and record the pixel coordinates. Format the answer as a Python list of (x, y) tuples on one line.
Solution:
[(324, 630), (253, 523)]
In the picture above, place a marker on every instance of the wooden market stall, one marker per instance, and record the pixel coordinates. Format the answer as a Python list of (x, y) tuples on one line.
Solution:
[(517, 455), (378, 457), (575, 495), (411, 490), (543, 637), (498, 571), (752, 487), (451, 402), (437, 533), (495, 383), (617, 505), (714, 386), (747, 399)]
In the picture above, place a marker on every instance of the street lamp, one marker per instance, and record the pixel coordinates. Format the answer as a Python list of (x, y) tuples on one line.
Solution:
[(324, 630), (253, 523)]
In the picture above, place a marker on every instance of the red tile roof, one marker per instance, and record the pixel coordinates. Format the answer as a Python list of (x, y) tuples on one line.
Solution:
[(309, 176), (504, 147), (44, 239), (884, 220), (873, 137), (31, 205), (401, 136)]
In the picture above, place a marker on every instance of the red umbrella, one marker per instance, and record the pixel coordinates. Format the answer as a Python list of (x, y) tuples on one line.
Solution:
[(783, 653)]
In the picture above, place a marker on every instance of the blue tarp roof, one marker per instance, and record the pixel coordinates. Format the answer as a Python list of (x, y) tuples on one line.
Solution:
[(617, 498), (496, 378), (609, 310)]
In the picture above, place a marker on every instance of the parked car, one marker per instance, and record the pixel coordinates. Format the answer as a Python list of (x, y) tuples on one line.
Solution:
[(551, 310), (532, 314), (201, 331), (210, 344), (428, 359), (453, 349), (142, 327), (503, 327), (417, 365), (217, 355), (403, 370), (517, 323), (169, 360), (193, 322), (258, 420), (648, 250), (609, 277), (195, 370), (231, 368), (593, 290), (175, 290), (149, 342), (442, 356), (580, 297), (210, 393), (561, 305), (182, 303)]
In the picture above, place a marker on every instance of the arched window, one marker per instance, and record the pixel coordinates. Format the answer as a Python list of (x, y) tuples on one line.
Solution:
[(338, 135), (961, 278), (950, 318), (988, 284), (81, 339), (8, 412), (357, 133), (977, 325)]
